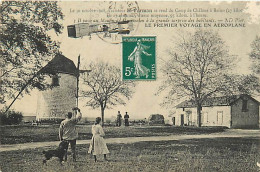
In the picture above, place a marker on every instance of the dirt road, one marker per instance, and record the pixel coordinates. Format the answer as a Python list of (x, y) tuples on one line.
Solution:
[(234, 133)]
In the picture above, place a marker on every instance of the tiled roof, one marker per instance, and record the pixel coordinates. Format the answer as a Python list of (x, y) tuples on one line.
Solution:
[(60, 64), (214, 101)]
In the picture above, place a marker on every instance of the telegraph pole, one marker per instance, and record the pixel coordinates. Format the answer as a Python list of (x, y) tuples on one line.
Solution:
[(78, 74), (77, 94), (25, 85)]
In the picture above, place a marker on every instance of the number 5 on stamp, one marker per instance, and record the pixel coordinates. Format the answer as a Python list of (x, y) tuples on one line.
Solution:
[(139, 53)]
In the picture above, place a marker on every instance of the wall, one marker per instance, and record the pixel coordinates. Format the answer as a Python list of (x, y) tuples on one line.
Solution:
[(211, 116), (245, 119), (58, 101), (190, 116), (216, 116)]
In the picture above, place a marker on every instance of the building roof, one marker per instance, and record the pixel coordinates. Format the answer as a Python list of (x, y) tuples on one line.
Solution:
[(60, 64), (215, 101)]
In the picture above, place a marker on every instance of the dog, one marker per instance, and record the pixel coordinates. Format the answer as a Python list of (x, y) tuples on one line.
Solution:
[(59, 152)]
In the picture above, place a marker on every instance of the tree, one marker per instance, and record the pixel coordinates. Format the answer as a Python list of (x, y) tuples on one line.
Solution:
[(255, 55), (11, 117), (105, 87), (25, 43), (198, 68)]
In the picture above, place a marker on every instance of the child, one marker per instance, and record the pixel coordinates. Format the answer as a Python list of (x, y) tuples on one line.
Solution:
[(97, 144)]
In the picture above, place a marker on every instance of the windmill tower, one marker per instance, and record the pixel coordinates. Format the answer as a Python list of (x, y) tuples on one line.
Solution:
[(55, 102)]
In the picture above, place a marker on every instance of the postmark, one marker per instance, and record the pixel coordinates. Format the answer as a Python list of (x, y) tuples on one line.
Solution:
[(123, 18), (109, 21), (139, 58)]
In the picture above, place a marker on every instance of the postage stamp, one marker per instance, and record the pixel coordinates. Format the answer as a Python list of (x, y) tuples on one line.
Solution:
[(139, 58)]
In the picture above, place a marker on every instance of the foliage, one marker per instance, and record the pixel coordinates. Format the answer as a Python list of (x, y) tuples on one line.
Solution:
[(255, 55), (25, 42), (104, 88), (200, 67), (11, 117), (243, 84)]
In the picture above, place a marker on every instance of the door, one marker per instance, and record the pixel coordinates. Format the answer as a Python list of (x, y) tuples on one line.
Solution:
[(204, 118), (173, 120), (182, 119), (189, 117)]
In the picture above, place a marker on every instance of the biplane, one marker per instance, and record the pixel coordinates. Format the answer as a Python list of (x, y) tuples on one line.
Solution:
[(86, 29)]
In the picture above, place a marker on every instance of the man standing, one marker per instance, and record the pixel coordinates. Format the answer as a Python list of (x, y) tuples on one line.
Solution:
[(68, 131), (126, 117), (118, 120)]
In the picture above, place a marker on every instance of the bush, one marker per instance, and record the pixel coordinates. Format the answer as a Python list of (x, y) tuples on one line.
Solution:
[(51, 121), (11, 117)]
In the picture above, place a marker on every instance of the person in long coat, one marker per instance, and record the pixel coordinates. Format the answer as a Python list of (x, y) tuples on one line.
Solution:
[(126, 117), (118, 119), (98, 145)]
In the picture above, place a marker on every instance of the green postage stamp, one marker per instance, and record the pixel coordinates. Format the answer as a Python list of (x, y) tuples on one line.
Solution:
[(139, 53)]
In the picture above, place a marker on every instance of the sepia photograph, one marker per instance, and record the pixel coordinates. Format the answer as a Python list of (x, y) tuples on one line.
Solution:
[(164, 86)]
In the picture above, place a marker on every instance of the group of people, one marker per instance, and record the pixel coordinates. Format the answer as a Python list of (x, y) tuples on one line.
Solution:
[(67, 132), (119, 119)]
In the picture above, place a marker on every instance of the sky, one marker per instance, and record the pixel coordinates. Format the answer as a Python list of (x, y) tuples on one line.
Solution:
[(144, 101)]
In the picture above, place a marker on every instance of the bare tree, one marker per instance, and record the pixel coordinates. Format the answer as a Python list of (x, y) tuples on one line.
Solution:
[(105, 88), (255, 55), (197, 69)]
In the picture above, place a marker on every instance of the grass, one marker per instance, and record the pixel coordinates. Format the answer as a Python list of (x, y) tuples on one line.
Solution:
[(27, 133), (209, 155)]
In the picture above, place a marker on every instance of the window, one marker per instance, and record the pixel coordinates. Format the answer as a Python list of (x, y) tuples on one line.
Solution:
[(55, 80), (205, 118), (220, 117), (244, 106)]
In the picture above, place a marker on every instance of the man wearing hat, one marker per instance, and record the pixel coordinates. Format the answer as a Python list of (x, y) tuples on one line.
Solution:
[(126, 117)]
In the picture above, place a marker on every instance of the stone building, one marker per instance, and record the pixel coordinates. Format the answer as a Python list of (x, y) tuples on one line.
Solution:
[(55, 102), (239, 111)]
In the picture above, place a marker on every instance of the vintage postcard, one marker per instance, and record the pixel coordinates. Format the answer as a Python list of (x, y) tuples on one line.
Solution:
[(130, 86)]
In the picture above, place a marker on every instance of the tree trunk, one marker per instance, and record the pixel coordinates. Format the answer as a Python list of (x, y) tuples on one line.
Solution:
[(102, 115), (199, 115)]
